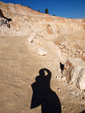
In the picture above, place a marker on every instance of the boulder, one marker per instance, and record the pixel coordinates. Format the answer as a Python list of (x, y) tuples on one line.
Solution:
[(42, 51), (74, 70)]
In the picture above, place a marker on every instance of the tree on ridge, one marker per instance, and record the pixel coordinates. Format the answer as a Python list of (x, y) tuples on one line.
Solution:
[(46, 11)]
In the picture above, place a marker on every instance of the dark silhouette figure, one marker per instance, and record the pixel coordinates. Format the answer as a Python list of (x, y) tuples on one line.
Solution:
[(61, 67), (83, 111), (43, 95)]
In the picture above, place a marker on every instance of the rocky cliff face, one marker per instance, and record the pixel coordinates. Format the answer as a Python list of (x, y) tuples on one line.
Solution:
[(26, 20)]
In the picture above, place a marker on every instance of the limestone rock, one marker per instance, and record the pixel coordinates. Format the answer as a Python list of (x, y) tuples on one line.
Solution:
[(74, 70), (42, 51)]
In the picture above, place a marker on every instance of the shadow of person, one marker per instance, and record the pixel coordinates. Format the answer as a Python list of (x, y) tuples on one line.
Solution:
[(43, 95), (83, 111)]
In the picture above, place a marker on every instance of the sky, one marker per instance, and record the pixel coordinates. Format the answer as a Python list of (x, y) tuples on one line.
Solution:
[(61, 8)]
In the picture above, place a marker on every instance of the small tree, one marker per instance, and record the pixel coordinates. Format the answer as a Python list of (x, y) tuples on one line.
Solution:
[(38, 10), (28, 6), (53, 15), (46, 11)]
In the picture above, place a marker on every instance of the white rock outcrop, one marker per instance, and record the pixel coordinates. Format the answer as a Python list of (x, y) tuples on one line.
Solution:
[(74, 70), (42, 51)]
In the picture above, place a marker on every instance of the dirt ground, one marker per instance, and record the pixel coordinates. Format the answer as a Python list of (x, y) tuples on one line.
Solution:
[(19, 77)]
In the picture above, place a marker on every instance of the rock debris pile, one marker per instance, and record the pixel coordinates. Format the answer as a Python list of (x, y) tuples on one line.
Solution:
[(70, 52)]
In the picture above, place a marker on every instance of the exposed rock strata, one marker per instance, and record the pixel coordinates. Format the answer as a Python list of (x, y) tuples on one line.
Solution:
[(74, 70), (25, 20)]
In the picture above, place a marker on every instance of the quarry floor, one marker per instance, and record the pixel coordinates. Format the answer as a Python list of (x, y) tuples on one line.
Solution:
[(19, 67)]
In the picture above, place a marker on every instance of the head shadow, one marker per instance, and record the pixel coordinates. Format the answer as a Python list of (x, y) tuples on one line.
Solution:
[(82, 111), (43, 95)]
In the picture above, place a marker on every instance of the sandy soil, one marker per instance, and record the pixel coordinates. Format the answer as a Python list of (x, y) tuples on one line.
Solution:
[(19, 67)]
